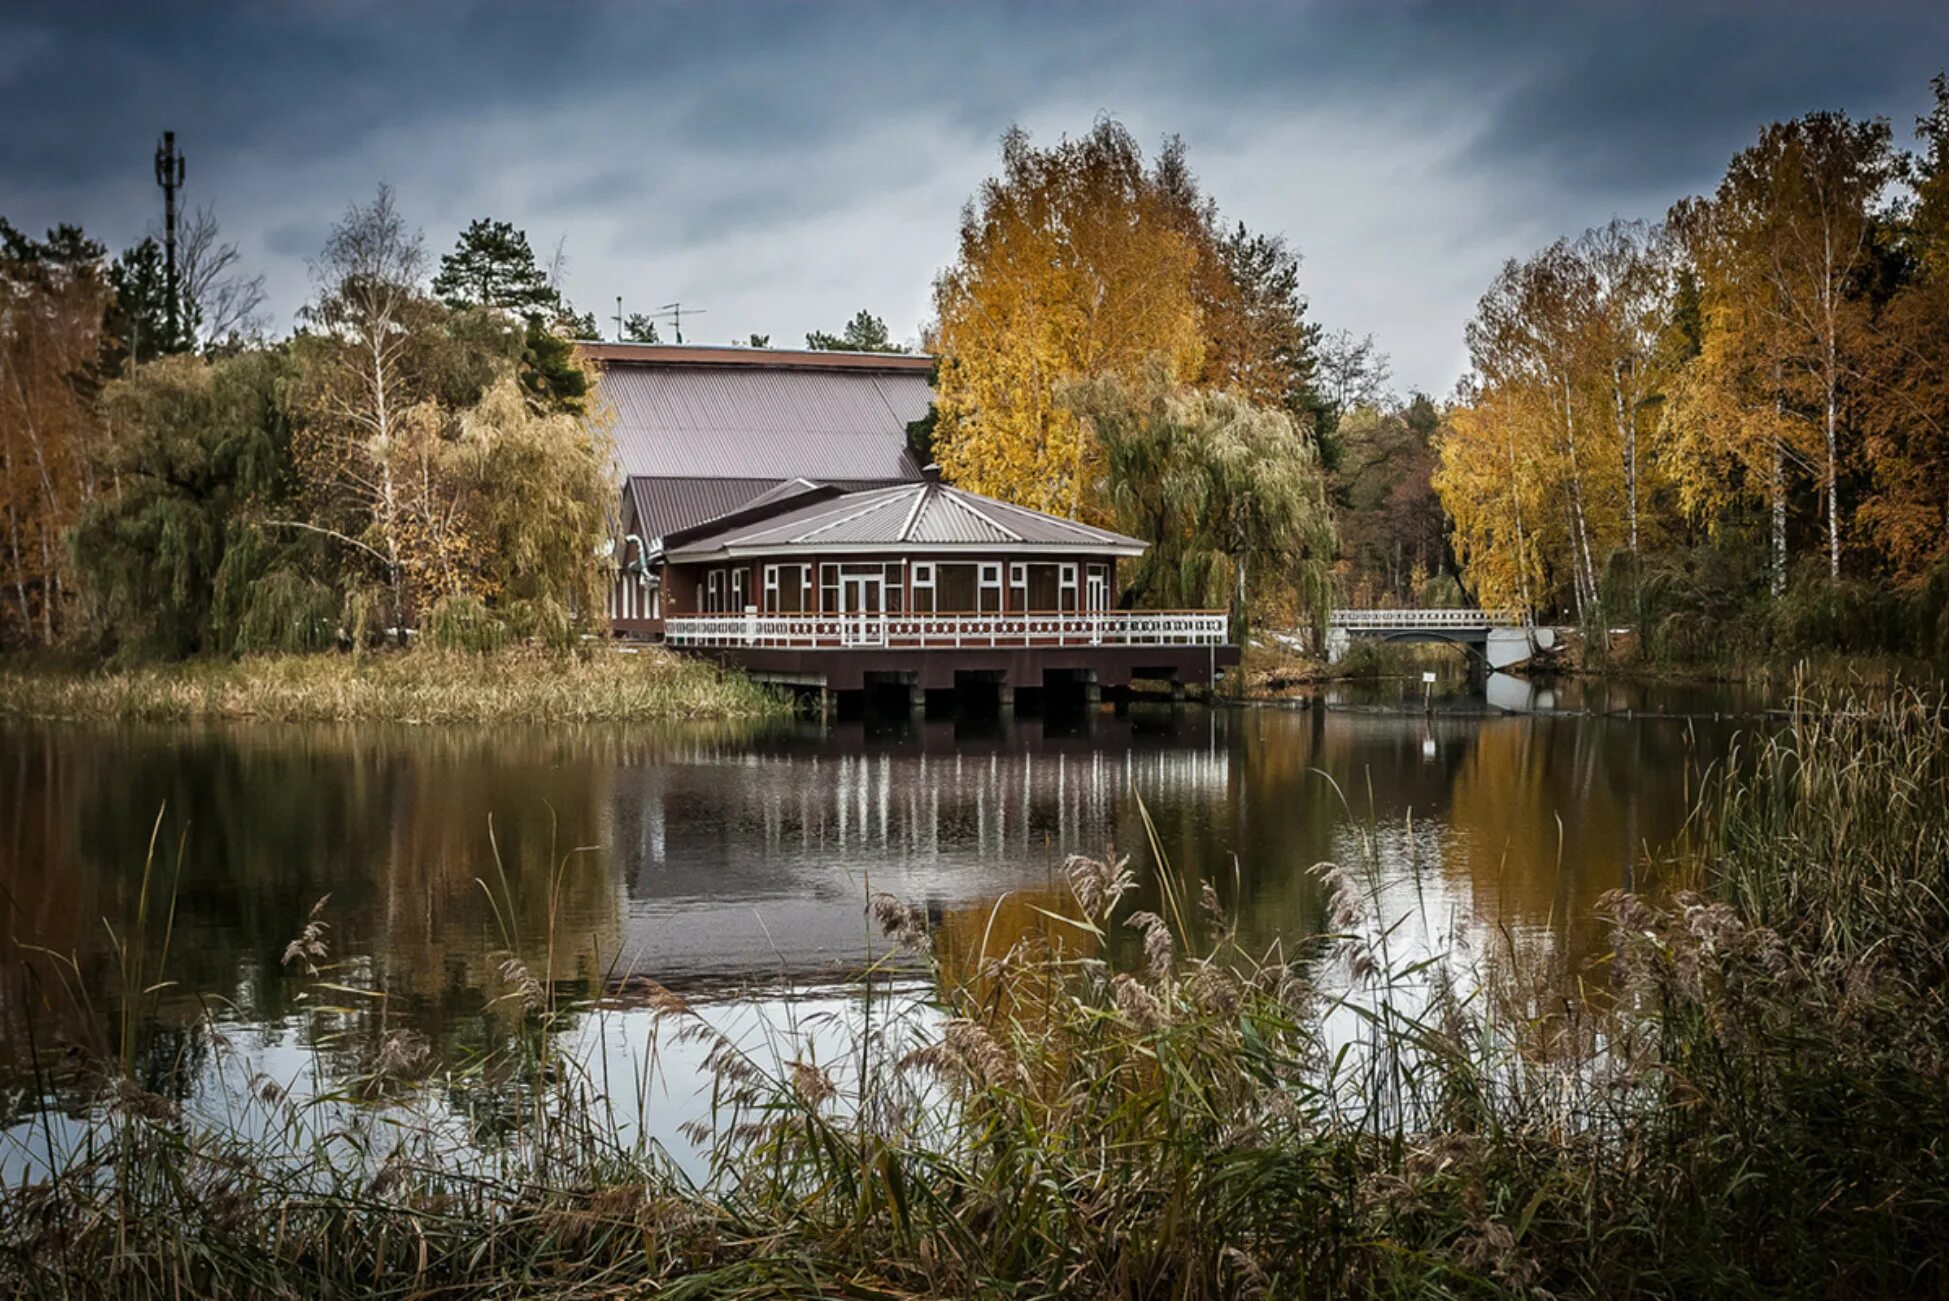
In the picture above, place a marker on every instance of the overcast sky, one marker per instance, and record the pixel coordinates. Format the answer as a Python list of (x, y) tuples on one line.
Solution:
[(781, 166)]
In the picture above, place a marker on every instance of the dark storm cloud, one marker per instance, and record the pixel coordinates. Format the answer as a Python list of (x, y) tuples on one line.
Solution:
[(789, 163)]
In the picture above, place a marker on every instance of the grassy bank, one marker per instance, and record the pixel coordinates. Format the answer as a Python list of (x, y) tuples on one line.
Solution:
[(418, 686), (1751, 1098)]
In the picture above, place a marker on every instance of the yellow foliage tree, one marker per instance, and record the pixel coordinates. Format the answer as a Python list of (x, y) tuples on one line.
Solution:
[(1073, 263), (52, 297)]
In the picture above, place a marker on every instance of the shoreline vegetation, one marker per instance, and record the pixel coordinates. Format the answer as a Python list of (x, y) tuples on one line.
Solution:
[(1747, 1096), (418, 686)]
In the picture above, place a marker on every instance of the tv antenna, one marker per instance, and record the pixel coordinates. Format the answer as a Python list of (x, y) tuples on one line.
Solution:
[(674, 313), (619, 318), (170, 173)]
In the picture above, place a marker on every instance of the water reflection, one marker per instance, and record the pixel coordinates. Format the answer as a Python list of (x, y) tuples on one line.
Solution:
[(720, 855)]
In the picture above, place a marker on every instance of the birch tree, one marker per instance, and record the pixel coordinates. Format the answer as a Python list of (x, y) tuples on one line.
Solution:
[(1792, 227), (366, 411)]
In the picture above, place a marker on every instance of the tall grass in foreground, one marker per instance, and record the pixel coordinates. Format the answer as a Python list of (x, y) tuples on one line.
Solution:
[(424, 685), (1130, 1106)]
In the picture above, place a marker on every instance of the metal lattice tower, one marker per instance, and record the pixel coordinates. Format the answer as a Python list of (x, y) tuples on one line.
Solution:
[(170, 173)]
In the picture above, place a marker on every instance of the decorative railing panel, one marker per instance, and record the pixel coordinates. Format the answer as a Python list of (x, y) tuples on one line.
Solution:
[(940, 631), (1384, 620)]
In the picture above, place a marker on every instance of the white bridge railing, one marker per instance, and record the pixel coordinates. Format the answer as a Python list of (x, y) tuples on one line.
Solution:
[(1387, 620), (929, 631)]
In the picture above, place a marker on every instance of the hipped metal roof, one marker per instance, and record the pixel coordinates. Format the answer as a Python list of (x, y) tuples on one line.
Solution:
[(908, 516)]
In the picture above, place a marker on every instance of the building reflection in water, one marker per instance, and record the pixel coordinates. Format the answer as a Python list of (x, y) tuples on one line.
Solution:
[(719, 854)]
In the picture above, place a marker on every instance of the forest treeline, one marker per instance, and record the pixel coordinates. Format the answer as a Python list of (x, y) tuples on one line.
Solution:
[(416, 454), (1731, 427)]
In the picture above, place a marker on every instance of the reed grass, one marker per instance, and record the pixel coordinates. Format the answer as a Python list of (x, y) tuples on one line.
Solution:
[(1752, 1100), (423, 685)]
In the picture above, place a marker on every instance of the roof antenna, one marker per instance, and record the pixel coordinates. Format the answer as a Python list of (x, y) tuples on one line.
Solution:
[(674, 313), (619, 318)]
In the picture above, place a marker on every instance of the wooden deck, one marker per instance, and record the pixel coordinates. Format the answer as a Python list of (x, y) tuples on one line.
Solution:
[(940, 652)]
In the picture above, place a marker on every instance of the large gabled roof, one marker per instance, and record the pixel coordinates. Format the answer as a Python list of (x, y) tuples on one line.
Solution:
[(758, 413), (925, 516)]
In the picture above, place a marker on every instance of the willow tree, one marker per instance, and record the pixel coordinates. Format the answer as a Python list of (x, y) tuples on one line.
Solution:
[(539, 497), (174, 557), (1228, 492)]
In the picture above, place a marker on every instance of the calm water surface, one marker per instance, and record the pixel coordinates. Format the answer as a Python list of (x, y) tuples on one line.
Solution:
[(723, 859)]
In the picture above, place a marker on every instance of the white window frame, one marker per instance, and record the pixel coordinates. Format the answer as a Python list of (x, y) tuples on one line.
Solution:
[(714, 592), (988, 578), (1099, 580), (1066, 584), (921, 577)]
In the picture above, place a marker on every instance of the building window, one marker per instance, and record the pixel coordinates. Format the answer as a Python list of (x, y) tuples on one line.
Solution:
[(1066, 588), (923, 581), (1018, 586), (737, 591), (989, 599), (714, 592), (829, 589)]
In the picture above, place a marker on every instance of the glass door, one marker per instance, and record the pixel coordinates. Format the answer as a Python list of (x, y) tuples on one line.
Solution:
[(862, 609)]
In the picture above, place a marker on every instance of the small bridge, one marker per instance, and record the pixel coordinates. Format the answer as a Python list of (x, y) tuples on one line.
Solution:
[(1503, 637)]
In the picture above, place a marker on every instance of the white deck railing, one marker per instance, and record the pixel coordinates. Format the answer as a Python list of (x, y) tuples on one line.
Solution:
[(1382, 620), (931, 631)]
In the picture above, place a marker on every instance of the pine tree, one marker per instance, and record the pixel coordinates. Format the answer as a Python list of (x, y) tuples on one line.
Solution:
[(138, 319), (492, 266), (864, 333)]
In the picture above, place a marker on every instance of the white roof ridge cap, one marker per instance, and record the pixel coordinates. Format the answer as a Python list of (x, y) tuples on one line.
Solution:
[(959, 498)]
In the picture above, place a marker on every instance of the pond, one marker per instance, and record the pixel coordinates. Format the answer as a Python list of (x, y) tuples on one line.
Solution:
[(734, 864)]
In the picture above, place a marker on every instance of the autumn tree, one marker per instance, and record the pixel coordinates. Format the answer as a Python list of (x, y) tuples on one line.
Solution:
[(1905, 407), (370, 427), (1782, 249), (1393, 530), (1072, 264), (1493, 483), (1630, 268), (1531, 344), (54, 294), (864, 333)]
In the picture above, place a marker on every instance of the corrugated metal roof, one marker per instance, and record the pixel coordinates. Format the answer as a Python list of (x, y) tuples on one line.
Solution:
[(678, 420), (664, 505), (920, 515)]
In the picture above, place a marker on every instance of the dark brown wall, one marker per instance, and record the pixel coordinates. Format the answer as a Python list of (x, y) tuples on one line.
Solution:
[(683, 585)]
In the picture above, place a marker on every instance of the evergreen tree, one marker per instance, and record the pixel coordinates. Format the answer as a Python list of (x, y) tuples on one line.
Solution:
[(638, 328), (577, 325), (138, 319), (864, 333), (492, 266)]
